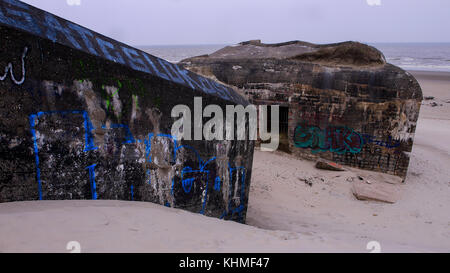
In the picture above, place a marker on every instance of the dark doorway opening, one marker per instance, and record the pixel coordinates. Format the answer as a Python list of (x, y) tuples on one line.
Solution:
[(283, 127), (284, 119)]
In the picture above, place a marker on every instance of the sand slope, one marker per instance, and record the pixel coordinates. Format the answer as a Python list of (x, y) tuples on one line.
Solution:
[(285, 214)]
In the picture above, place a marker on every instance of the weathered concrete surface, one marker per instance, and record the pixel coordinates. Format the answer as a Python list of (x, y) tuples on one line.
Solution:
[(85, 117), (343, 102)]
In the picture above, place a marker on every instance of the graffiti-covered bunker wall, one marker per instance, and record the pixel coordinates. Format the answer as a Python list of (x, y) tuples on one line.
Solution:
[(340, 102), (86, 117)]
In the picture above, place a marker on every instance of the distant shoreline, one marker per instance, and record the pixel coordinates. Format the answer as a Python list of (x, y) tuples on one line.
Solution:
[(430, 75), (431, 57)]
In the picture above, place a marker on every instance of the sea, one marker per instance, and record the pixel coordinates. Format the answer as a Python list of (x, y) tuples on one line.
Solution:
[(409, 56)]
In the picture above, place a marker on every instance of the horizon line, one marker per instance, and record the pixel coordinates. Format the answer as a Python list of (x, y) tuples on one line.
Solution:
[(225, 44)]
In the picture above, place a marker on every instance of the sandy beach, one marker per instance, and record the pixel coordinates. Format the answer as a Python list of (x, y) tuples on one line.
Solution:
[(285, 214)]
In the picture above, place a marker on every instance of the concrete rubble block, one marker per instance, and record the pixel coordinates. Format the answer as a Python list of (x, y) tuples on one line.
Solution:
[(376, 191), (330, 166)]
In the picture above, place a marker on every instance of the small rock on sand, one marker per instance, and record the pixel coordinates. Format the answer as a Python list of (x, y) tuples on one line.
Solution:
[(331, 166), (434, 104)]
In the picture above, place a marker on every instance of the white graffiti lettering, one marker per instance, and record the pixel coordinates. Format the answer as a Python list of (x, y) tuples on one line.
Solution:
[(9, 68)]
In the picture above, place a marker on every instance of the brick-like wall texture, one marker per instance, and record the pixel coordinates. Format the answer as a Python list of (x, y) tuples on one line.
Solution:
[(85, 117)]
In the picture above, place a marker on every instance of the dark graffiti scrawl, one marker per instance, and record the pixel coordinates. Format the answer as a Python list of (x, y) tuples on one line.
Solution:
[(390, 144)]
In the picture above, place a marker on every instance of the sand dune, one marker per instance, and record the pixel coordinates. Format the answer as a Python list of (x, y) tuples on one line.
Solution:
[(285, 214)]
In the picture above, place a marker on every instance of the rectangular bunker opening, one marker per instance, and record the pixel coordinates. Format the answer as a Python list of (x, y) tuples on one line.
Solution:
[(282, 125)]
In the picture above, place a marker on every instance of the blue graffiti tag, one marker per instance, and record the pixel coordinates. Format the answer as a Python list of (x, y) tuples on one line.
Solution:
[(217, 184), (187, 184), (189, 175), (89, 140), (132, 192), (390, 143), (92, 180), (239, 208)]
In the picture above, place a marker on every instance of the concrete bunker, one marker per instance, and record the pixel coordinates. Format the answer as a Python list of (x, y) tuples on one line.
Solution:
[(343, 101), (85, 117)]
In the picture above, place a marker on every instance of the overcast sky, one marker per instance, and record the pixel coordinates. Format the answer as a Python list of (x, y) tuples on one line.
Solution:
[(166, 22)]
